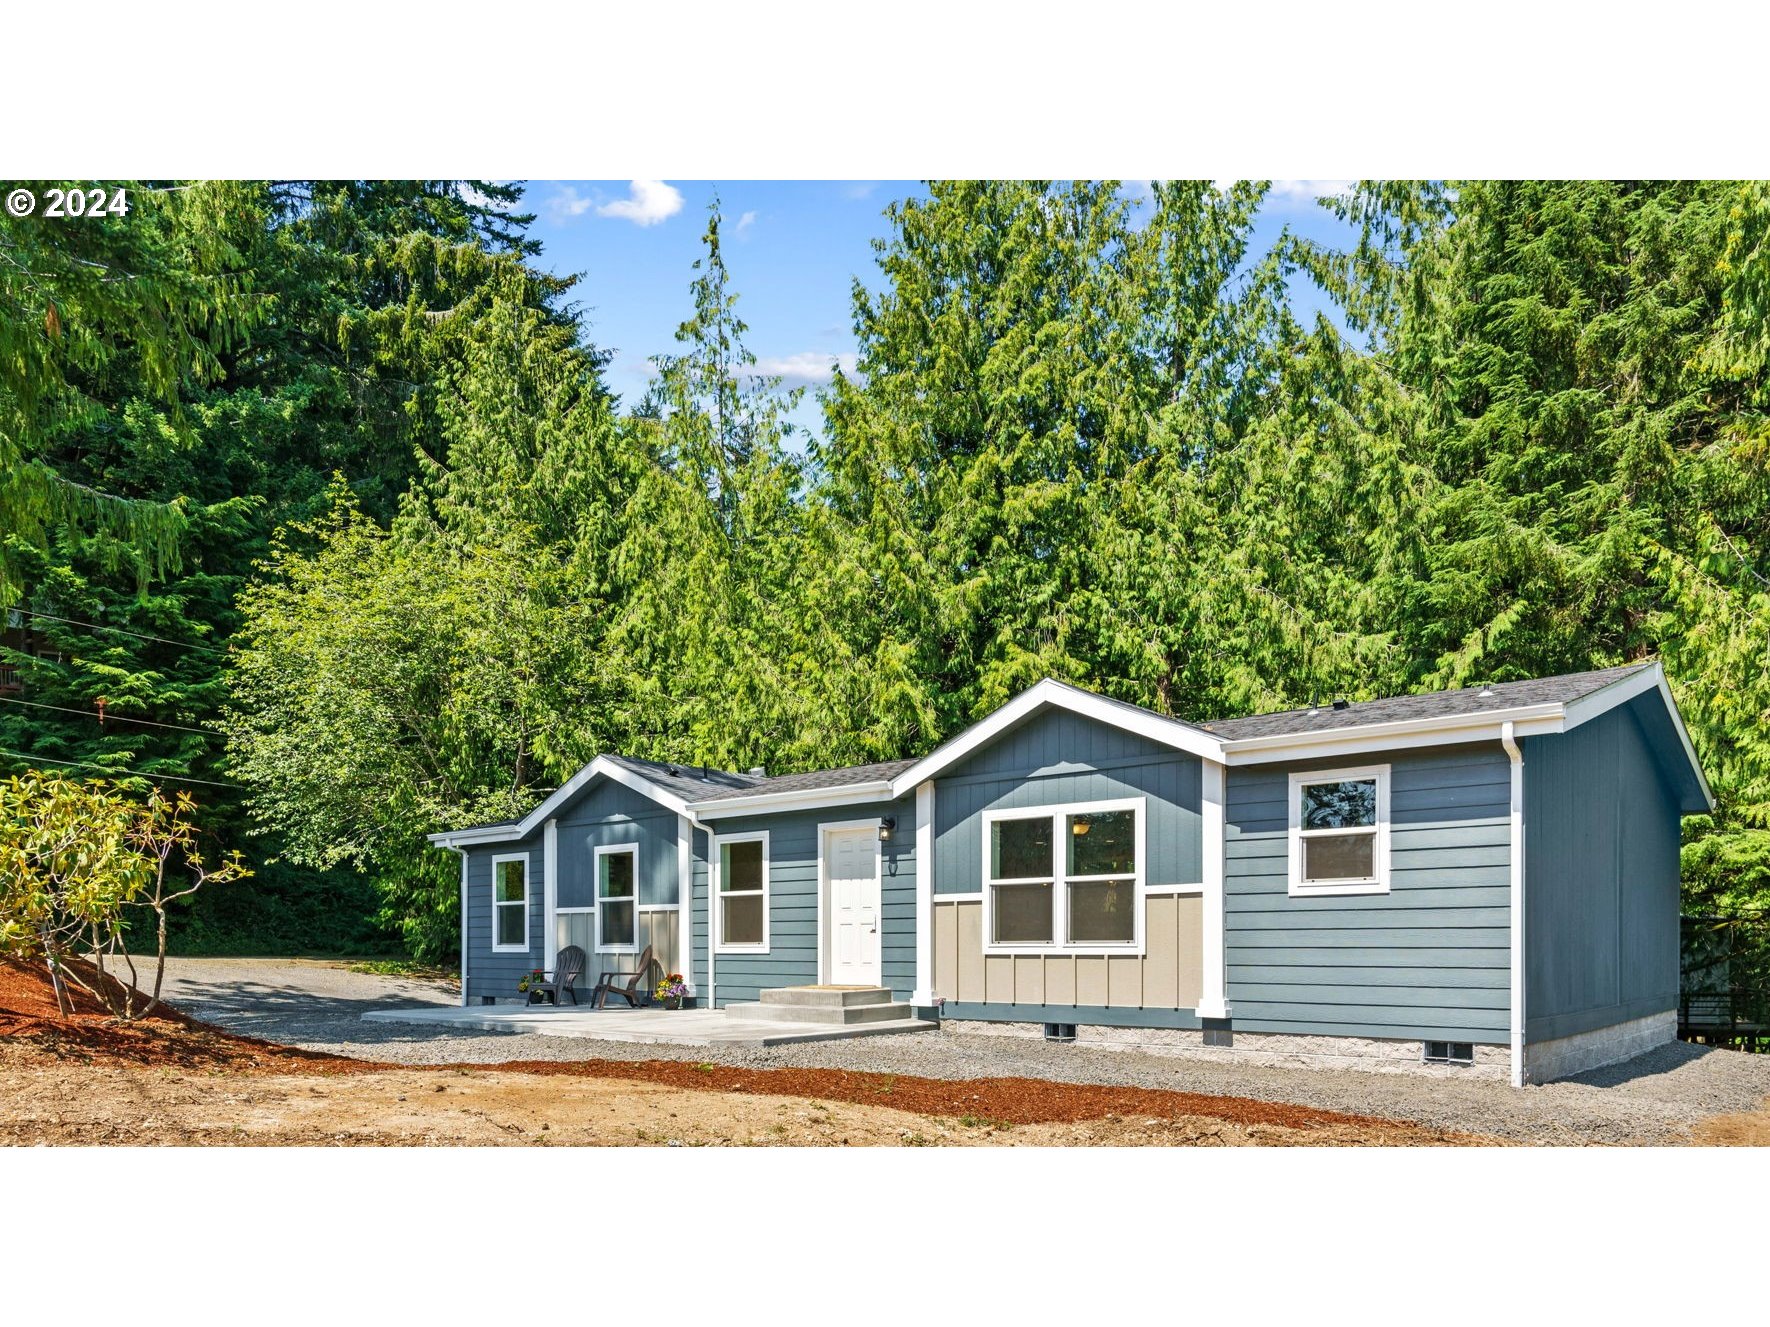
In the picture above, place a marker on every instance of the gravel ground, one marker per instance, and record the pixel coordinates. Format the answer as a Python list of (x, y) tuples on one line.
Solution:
[(1651, 1099)]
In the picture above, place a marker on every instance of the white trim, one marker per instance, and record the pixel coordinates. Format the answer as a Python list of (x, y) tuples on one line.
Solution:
[(602, 766), (1378, 882), (1058, 814), (1362, 738), (1131, 718), (525, 946), (923, 995), (612, 850), (1166, 891), (1516, 900), (824, 829), (1213, 1000), (804, 799), (685, 898), (549, 891), (974, 897), (463, 853), (716, 913)]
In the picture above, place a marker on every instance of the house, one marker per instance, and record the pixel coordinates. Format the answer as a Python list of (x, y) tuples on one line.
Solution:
[(1485, 877)]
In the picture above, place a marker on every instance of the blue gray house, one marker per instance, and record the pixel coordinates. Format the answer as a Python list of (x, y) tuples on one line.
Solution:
[(1484, 878)]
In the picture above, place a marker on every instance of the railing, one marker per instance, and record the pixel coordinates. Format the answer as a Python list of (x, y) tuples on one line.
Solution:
[(10, 678), (1724, 981)]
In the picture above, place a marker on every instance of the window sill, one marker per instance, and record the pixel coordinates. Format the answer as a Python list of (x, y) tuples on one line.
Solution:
[(740, 949), (1130, 950), (1336, 890), (510, 949)]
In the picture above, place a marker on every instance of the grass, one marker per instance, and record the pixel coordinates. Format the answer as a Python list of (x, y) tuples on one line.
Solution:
[(403, 967)]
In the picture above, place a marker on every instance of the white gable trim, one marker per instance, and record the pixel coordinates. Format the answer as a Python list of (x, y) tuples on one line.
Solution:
[(601, 767), (1169, 732), (1636, 684)]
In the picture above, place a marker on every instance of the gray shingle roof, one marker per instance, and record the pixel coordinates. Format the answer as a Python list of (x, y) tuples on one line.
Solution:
[(693, 782), (821, 778), (1430, 705)]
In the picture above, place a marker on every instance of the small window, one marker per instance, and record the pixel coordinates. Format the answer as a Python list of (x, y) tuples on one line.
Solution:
[(1021, 880), (743, 892), (510, 903), (1101, 878), (1339, 830), (617, 883)]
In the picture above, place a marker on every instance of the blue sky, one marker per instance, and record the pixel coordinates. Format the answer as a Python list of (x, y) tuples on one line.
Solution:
[(793, 249)]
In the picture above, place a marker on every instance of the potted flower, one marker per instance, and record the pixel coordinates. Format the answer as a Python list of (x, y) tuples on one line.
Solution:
[(530, 982), (671, 991)]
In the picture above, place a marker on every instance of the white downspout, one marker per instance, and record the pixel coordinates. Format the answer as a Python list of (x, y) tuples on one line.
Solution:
[(1509, 740), (550, 892), (463, 853), (685, 898)]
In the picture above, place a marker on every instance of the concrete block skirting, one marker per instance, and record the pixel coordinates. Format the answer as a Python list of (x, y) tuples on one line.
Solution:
[(1545, 1061), (1282, 1050)]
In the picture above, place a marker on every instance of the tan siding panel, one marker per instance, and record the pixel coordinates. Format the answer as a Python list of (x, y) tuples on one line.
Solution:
[(1191, 961), (998, 979), (659, 930), (1029, 980), (1060, 980), (1124, 982), (970, 951), (946, 950), (1161, 933), (1091, 987)]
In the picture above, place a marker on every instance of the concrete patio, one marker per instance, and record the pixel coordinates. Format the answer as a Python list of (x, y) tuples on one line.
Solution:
[(663, 1027)]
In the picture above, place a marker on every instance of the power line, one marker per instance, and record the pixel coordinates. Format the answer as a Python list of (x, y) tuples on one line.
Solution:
[(100, 626), (133, 773), (106, 717)]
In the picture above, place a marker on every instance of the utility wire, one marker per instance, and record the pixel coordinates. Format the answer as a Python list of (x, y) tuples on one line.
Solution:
[(133, 773), (106, 717), (100, 626)]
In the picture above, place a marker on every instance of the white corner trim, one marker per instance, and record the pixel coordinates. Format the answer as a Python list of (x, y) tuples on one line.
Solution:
[(463, 853), (1516, 900), (527, 890), (685, 898), (549, 891), (923, 995), (1213, 1001), (1060, 877), (601, 851), (715, 908), (1131, 718), (1294, 833)]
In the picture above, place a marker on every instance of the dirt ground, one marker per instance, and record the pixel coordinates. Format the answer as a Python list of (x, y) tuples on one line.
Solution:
[(88, 1079)]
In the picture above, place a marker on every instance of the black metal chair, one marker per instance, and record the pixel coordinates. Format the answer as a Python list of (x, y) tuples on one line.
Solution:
[(628, 983), (567, 968)]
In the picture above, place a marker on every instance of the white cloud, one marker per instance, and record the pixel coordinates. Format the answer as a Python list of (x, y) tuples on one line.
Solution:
[(565, 202), (859, 189), (810, 368), (1307, 191), (647, 203), (744, 223)]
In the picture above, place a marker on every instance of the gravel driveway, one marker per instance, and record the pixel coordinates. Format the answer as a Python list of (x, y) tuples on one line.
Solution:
[(1651, 1099)]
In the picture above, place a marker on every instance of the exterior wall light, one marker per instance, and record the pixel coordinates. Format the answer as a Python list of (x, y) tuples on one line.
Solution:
[(886, 825)]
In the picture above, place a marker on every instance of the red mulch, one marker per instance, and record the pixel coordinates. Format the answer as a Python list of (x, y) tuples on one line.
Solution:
[(172, 1039)]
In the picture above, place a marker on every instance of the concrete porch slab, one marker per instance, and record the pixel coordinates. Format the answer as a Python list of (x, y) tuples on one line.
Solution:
[(662, 1027)]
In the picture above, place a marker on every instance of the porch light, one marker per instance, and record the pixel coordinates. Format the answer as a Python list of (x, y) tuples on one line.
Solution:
[(886, 825), (1079, 827)]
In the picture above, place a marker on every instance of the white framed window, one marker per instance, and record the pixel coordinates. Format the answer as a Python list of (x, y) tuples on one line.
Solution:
[(1064, 879), (617, 898), (1339, 831), (740, 887), (510, 903)]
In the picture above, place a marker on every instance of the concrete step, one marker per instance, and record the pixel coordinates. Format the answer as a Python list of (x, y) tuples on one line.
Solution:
[(837, 1015), (826, 997)]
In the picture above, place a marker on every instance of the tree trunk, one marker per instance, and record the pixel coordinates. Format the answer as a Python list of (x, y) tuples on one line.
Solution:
[(159, 959), (64, 1004)]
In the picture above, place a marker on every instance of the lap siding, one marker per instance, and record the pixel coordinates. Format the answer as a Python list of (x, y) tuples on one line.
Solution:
[(1429, 960)]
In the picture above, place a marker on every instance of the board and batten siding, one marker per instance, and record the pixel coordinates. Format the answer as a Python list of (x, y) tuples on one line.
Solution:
[(793, 888), (1057, 758), (1429, 960), (1601, 878)]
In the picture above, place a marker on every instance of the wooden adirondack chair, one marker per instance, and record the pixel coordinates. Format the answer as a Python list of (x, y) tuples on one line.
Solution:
[(632, 984), (567, 968)]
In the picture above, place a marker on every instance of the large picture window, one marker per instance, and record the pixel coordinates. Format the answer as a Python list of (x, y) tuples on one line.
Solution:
[(1339, 831), (617, 897), (1064, 878), (743, 893), (510, 903)]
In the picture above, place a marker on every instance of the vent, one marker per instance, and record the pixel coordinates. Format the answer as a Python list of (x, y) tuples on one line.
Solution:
[(757, 772), (1448, 1052), (1060, 1032), (1219, 1037), (1342, 704)]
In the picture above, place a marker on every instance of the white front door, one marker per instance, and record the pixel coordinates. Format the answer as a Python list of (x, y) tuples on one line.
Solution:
[(852, 857)]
